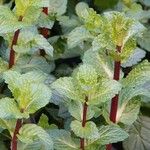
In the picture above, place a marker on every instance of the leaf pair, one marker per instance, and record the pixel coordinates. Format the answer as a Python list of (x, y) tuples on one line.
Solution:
[(86, 82), (30, 94)]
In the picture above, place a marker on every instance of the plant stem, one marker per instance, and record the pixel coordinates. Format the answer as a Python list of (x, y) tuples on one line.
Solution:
[(44, 31), (85, 107), (114, 102), (14, 139), (14, 42)]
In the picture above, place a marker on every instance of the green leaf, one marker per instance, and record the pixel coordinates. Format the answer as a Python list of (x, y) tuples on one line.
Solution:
[(128, 49), (36, 63), (127, 27), (144, 40), (43, 122), (136, 57), (30, 77), (30, 133), (42, 43), (31, 15), (68, 23), (8, 21), (38, 96), (133, 83), (30, 41), (128, 112), (8, 124), (92, 20), (82, 9), (110, 134), (145, 2), (77, 36), (2, 146), (76, 110), (45, 21), (63, 141), (10, 110), (57, 7), (103, 41), (87, 78), (3, 65), (106, 90), (28, 90), (139, 135), (23, 6), (102, 4), (65, 86), (100, 62), (90, 130)]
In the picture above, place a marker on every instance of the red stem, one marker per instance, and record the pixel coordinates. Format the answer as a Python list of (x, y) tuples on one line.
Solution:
[(14, 42), (44, 31), (85, 107), (114, 102), (14, 139)]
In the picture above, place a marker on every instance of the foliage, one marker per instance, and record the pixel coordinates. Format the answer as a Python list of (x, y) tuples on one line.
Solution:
[(62, 63)]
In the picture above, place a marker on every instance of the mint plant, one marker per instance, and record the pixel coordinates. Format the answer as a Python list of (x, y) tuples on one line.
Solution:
[(87, 91), (74, 75)]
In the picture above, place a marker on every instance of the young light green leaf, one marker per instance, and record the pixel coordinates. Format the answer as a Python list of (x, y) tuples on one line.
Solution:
[(65, 86), (31, 15), (90, 130), (43, 122), (63, 141), (87, 78), (23, 6), (31, 132), (103, 41), (127, 27), (128, 49), (92, 20), (28, 90), (38, 96)]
